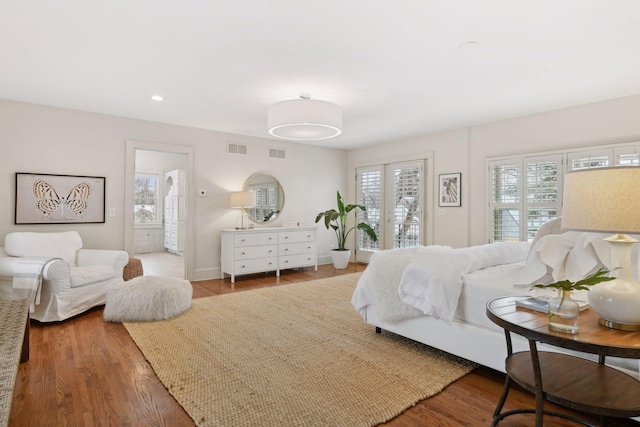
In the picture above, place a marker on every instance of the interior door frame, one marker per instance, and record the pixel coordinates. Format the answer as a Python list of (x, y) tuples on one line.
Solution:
[(129, 221)]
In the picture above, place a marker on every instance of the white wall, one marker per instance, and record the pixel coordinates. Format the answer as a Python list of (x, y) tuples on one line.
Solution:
[(466, 150), (40, 139), (449, 153), (607, 122)]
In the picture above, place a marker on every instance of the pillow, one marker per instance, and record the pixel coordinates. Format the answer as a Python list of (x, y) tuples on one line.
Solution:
[(589, 253), (547, 258), (553, 226), (53, 245)]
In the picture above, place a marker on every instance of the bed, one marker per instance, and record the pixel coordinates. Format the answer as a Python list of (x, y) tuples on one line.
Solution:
[(437, 295)]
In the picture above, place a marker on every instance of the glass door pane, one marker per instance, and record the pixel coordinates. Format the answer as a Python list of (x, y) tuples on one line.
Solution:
[(407, 190)]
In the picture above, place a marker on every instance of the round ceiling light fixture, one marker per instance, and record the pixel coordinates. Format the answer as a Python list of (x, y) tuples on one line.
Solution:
[(304, 119)]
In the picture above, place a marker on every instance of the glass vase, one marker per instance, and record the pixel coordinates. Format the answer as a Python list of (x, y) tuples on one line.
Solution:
[(563, 313)]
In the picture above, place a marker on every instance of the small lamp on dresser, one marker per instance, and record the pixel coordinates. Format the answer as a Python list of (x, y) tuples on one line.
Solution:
[(242, 200), (608, 200)]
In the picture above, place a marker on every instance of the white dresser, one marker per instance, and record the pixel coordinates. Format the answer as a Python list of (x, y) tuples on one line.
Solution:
[(267, 249)]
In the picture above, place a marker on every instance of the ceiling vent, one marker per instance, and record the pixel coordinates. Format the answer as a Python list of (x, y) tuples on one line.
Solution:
[(277, 154), (234, 148)]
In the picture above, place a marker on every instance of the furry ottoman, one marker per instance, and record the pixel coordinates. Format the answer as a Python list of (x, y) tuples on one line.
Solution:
[(147, 298)]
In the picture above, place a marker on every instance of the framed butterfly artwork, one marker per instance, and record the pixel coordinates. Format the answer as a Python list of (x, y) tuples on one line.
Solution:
[(59, 199)]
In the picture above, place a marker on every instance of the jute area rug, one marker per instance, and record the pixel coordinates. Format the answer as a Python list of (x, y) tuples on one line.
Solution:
[(290, 355)]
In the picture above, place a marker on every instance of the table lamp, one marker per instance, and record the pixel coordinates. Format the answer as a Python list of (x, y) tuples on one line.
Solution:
[(242, 200), (608, 200)]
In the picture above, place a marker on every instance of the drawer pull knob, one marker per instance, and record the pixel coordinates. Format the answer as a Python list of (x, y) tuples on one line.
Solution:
[(244, 253)]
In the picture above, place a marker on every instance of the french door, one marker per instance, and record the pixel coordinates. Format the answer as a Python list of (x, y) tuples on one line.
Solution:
[(394, 197)]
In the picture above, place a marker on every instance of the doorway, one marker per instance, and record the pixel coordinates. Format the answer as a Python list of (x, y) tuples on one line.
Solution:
[(151, 184)]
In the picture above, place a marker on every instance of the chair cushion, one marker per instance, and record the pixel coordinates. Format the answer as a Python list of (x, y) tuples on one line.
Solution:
[(90, 274), (54, 245)]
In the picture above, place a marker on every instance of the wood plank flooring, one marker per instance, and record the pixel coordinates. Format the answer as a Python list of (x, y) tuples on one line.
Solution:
[(87, 372)]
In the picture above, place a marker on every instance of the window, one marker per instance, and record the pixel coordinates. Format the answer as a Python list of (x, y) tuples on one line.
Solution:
[(407, 188), (369, 184), (525, 193), (146, 199)]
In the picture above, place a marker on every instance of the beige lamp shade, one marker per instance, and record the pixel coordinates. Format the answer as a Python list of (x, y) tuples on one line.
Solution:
[(602, 199), (243, 199)]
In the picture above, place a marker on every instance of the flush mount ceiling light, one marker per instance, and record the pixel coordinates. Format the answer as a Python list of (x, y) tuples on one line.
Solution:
[(157, 98), (304, 119)]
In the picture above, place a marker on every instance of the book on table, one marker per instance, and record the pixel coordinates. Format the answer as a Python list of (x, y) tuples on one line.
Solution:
[(541, 304)]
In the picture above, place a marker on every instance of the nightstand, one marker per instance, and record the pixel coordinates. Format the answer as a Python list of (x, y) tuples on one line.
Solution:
[(567, 380)]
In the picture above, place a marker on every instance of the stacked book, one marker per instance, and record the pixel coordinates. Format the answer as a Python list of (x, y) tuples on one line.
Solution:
[(541, 304)]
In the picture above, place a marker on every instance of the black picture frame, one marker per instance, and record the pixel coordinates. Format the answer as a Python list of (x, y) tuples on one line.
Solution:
[(59, 199), (450, 190)]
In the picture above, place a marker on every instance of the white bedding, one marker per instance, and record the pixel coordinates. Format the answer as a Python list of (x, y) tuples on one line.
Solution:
[(449, 283), (553, 257)]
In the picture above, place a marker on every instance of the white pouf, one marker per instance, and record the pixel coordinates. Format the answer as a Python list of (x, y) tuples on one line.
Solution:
[(147, 298)]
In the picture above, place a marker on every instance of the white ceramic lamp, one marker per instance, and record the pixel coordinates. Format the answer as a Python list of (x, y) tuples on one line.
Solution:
[(608, 200), (242, 200)]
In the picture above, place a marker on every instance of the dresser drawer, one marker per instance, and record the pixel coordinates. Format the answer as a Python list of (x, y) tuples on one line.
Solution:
[(253, 239), (297, 236), (297, 248), (255, 265), (250, 252), (300, 260)]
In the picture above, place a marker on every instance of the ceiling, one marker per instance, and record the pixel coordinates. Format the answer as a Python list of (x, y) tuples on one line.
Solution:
[(398, 68)]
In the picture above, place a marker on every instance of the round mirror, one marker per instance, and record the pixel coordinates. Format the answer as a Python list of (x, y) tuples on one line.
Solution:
[(269, 198)]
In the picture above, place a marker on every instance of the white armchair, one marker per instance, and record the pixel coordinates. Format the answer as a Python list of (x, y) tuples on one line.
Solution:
[(73, 279)]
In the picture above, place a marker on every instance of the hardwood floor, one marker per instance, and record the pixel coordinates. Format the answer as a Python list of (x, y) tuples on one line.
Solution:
[(87, 372)]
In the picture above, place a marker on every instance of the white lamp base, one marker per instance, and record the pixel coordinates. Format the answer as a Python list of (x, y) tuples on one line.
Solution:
[(617, 302)]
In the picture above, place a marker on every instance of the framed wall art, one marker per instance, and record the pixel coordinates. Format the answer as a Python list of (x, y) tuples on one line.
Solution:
[(59, 199), (450, 186)]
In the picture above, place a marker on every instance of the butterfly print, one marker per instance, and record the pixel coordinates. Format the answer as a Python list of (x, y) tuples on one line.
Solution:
[(49, 201)]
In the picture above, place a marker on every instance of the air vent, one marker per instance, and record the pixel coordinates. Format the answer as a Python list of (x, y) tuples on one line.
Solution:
[(234, 148), (277, 154)]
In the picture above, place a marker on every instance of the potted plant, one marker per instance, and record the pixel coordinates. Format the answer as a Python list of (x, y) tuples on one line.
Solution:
[(337, 220), (563, 310)]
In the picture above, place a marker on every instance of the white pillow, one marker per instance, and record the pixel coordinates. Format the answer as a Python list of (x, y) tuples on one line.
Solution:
[(553, 226), (52, 245)]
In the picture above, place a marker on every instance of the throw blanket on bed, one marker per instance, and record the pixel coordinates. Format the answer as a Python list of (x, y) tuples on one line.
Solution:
[(383, 278), (432, 284), (407, 283)]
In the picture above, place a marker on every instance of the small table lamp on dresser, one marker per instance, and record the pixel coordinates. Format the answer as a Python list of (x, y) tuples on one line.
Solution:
[(242, 200), (608, 200)]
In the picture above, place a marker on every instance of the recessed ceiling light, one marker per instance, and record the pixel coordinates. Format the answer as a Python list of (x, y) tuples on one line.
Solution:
[(157, 98)]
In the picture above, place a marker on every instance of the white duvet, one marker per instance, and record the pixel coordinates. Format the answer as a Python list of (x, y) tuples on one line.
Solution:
[(408, 283), (433, 284)]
